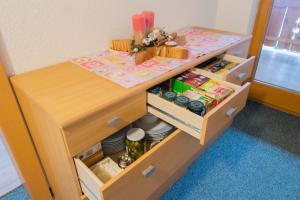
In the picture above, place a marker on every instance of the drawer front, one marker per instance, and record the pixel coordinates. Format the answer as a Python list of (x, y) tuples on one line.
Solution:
[(237, 75), (199, 127), (242, 72), (147, 174), (93, 129)]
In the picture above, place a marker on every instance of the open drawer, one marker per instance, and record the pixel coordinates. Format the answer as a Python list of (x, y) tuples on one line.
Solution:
[(202, 128), (237, 74), (145, 175)]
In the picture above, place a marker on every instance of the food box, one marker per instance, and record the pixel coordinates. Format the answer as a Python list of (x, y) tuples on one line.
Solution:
[(218, 65), (209, 85), (187, 81), (207, 102)]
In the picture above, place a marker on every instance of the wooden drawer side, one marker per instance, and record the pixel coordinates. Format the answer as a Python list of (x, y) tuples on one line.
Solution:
[(174, 110), (90, 184), (175, 121)]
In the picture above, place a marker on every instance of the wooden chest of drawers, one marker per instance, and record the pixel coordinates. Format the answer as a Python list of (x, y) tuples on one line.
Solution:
[(69, 109)]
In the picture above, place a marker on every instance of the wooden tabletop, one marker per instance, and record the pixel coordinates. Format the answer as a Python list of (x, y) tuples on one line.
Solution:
[(69, 93)]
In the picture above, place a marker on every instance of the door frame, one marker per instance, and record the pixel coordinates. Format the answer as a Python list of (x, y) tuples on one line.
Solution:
[(276, 97), (19, 143)]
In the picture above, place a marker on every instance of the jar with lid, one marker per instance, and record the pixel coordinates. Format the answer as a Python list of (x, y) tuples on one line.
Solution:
[(135, 143)]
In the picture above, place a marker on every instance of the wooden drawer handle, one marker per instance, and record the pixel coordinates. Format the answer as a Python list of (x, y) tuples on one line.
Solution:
[(114, 122), (149, 171), (231, 112), (242, 76)]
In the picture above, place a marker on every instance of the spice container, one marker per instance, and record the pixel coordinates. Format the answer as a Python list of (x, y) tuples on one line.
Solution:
[(135, 143), (197, 107), (155, 90), (182, 101), (124, 161), (169, 96)]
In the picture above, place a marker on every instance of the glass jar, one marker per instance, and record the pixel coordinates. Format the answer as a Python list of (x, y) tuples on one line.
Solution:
[(135, 143)]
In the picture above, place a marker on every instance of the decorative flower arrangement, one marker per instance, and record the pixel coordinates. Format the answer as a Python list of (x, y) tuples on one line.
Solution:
[(155, 38), (149, 41)]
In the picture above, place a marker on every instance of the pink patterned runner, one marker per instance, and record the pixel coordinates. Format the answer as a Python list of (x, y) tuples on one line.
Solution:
[(120, 67)]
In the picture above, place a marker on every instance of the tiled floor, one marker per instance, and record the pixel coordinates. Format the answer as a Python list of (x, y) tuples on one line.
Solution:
[(9, 178), (280, 68)]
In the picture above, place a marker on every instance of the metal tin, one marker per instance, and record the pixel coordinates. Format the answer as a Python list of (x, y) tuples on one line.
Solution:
[(182, 101), (155, 90), (169, 96)]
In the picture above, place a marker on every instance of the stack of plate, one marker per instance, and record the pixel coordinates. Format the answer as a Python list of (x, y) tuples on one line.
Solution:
[(155, 128), (114, 143)]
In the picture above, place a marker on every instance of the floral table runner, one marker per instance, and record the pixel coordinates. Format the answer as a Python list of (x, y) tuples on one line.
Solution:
[(120, 67)]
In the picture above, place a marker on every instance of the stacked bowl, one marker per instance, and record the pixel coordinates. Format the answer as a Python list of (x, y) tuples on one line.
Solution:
[(156, 129), (114, 143)]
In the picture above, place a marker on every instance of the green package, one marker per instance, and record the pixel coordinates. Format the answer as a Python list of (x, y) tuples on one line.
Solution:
[(180, 87)]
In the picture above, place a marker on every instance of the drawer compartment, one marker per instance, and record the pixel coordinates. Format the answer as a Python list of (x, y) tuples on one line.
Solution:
[(93, 129), (200, 127), (237, 74), (145, 175)]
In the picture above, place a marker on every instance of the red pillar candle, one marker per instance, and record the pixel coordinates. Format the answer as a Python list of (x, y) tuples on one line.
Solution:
[(139, 27), (149, 16)]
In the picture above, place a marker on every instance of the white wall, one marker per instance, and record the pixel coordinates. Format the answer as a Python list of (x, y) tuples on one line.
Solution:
[(37, 33), (236, 15)]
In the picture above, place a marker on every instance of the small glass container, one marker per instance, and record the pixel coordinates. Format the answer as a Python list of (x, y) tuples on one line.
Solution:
[(182, 101), (197, 107), (124, 161), (155, 90), (135, 143), (169, 96)]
